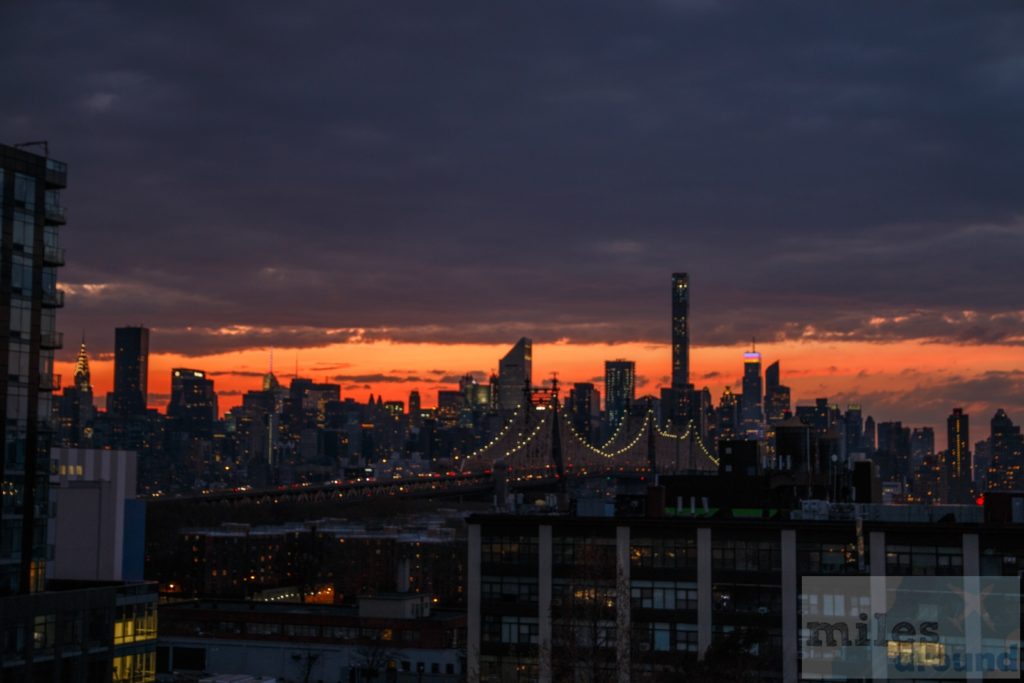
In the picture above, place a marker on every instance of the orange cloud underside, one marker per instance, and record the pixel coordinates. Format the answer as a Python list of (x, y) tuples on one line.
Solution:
[(811, 369)]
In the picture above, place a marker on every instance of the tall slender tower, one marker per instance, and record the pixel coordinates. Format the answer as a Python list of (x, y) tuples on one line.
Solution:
[(680, 331)]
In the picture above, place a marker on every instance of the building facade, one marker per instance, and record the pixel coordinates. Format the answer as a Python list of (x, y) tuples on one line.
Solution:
[(30, 218), (659, 598)]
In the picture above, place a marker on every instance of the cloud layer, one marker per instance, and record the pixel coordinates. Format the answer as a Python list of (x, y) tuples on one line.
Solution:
[(255, 174)]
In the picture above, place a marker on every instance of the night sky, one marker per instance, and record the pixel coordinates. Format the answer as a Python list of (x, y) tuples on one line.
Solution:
[(841, 180)]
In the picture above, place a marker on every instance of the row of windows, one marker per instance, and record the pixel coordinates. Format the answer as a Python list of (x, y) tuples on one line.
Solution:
[(509, 550), (664, 553), (509, 589), (511, 630), (663, 595), (918, 560), (571, 551), (757, 556)]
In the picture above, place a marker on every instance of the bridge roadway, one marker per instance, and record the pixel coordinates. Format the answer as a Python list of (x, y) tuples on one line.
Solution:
[(464, 483)]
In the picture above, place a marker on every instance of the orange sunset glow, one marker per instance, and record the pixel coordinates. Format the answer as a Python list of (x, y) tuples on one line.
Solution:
[(882, 375)]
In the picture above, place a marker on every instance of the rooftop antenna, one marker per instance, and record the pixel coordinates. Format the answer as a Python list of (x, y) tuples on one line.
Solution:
[(270, 365), (35, 143), (753, 344), (296, 365)]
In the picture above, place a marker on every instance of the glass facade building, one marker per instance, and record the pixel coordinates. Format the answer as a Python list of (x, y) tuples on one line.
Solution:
[(30, 215)]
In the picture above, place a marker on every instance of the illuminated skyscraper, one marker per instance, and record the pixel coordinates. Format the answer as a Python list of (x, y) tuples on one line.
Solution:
[(193, 404), (515, 375), (131, 371), (959, 465), (680, 331), (750, 405), (619, 389), (1006, 448)]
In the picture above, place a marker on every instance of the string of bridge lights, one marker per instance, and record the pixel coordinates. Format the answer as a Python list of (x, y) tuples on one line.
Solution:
[(526, 439)]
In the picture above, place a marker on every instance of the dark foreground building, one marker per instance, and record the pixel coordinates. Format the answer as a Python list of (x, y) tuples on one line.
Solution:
[(50, 630), (695, 593), (394, 637)]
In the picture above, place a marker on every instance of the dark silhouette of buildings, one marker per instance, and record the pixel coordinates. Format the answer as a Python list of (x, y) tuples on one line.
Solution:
[(131, 372), (515, 376), (1006, 453), (193, 404), (776, 395)]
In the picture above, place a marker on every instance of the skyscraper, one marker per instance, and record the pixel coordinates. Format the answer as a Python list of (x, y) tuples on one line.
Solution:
[(131, 371), (75, 409), (619, 389), (680, 331), (193, 404), (30, 216), (776, 396), (585, 402), (515, 375), (750, 402), (959, 465), (1007, 454), (415, 414)]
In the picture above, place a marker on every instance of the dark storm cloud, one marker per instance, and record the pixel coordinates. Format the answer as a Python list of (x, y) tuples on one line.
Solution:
[(257, 174)]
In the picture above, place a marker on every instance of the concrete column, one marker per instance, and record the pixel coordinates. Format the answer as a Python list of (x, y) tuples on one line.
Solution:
[(790, 598), (703, 591), (879, 662), (623, 620), (544, 580), (473, 620), (972, 598)]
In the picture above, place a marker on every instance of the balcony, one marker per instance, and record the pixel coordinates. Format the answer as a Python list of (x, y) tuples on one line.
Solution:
[(51, 340), (56, 174), (55, 214), (50, 382), (54, 299), (53, 256)]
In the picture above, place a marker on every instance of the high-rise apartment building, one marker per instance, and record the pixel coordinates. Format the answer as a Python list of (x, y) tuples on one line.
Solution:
[(131, 372), (619, 390), (51, 631), (30, 215)]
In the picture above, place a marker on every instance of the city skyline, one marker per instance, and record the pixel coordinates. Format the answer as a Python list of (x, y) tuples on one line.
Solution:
[(292, 212), (805, 372)]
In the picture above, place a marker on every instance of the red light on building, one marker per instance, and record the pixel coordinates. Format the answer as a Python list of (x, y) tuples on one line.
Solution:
[(980, 500)]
